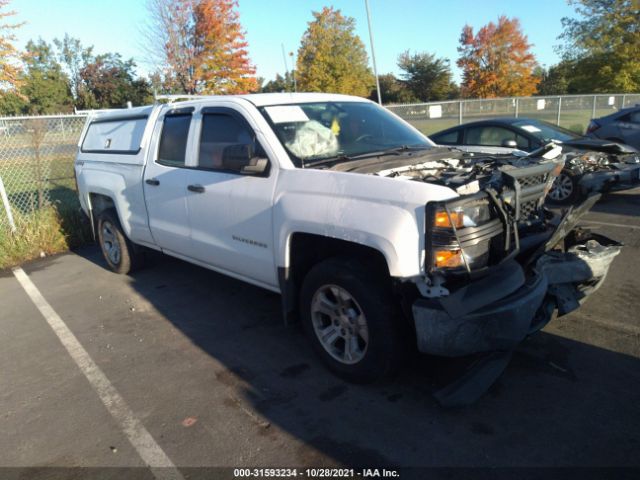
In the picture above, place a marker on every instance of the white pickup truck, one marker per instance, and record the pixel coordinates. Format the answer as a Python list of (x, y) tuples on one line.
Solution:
[(372, 234)]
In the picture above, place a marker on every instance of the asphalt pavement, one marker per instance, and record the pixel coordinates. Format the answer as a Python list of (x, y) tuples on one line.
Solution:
[(205, 365)]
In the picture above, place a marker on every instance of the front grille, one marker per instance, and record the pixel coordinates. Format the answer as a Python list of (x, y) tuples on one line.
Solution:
[(525, 189), (529, 210), (532, 180)]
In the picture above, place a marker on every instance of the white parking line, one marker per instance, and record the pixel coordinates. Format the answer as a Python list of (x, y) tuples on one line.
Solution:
[(150, 452), (620, 225)]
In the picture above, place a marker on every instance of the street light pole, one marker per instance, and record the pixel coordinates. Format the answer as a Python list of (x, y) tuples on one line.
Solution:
[(373, 53)]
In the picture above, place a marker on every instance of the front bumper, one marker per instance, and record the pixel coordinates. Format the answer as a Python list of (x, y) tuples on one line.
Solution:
[(624, 176), (498, 311)]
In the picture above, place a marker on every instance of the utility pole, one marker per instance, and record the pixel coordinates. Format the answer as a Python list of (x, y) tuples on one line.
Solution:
[(293, 71), (373, 53), (286, 65)]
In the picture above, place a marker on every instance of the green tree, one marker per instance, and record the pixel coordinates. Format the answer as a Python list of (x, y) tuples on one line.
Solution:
[(279, 84), (73, 57), (11, 103), (602, 45), (426, 76), (45, 85), (393, 90), (332, 58), (553, 81), (110, 82)]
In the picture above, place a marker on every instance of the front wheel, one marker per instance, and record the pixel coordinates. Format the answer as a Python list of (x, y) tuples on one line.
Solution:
[(348, 315), (565, 189), (120, 253)]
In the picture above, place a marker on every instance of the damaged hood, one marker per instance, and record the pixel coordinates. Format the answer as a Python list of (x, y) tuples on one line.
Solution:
[(464, 172), (598, 145)]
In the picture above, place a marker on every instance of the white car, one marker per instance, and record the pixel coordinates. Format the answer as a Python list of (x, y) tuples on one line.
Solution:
[(373, 236)]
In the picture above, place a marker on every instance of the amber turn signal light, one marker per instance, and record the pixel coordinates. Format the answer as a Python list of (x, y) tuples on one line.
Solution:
[(448, 258), (444, 219)]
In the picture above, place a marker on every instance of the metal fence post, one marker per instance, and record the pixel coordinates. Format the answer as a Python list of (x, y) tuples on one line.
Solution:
[(559, 110), (7, 207), (460, 112), (624, 98), (516, 108), (593, 111)]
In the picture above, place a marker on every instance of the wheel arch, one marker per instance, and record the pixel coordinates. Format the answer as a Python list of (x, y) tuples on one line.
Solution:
[(98, 203), (306, 250)]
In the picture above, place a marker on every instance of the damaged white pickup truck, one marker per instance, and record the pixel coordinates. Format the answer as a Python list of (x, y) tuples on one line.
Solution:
[(372, 235)]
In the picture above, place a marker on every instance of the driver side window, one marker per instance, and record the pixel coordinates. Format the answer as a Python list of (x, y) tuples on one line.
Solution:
[(494, 136), (220, 131)]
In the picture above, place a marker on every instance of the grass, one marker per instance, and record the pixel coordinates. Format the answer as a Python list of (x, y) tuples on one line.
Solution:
[(576, 121), (52, 229)]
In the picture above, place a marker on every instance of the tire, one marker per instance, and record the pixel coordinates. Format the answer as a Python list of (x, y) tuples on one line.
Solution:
[(122, 256), (357, 303), (565, 189)]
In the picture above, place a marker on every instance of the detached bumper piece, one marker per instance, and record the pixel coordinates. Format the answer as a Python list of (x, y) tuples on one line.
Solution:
[(494, 314)]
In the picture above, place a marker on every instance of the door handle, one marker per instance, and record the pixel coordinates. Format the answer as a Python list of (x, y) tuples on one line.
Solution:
[(152, 181), (196, 188)]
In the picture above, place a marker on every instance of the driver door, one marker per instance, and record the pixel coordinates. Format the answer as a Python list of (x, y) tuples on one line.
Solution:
[(230, 209)]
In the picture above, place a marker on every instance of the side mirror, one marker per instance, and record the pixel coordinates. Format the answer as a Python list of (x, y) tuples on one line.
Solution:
[(509, 144), (240, 158)]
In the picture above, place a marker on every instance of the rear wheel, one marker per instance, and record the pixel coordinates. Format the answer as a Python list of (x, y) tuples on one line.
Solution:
[(348, 315), (565, 189), (120, 253)]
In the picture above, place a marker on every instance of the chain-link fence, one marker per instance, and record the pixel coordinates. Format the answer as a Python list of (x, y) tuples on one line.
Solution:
[(36, 160), (37, 153), (569, 111)]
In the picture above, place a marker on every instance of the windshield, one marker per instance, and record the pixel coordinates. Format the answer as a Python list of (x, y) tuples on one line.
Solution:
[(545, 131), (326, 130)]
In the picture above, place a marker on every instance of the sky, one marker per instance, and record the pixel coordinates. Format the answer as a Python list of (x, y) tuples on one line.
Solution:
[(398, 25)]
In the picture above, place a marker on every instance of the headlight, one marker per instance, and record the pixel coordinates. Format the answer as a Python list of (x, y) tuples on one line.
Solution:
[(459, 234), (592, 159), (462, 216)]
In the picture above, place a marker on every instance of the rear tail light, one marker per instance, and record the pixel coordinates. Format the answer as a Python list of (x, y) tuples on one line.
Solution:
[(593, 126)]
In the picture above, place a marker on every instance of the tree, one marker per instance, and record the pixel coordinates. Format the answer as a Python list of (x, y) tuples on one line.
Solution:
[(603, 45), (427, 77), (553, 81), (279, 84), (223, 64), (45, 85), (9, 57), (73, 57), (332, 58), (199, 46), (110, 82), (393, 90), (496, 62), (11, 103), (170, 45)]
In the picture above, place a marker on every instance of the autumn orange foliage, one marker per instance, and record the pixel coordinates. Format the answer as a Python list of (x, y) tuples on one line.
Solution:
[(9, 57), (497, 62), (223, 64), (199, 47)]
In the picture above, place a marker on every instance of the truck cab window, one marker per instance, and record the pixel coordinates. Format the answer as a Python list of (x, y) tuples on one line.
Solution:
[(173, 141), (220, 131)]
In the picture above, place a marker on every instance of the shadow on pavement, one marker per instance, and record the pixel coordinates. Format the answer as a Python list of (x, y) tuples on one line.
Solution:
[(559, 403)]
